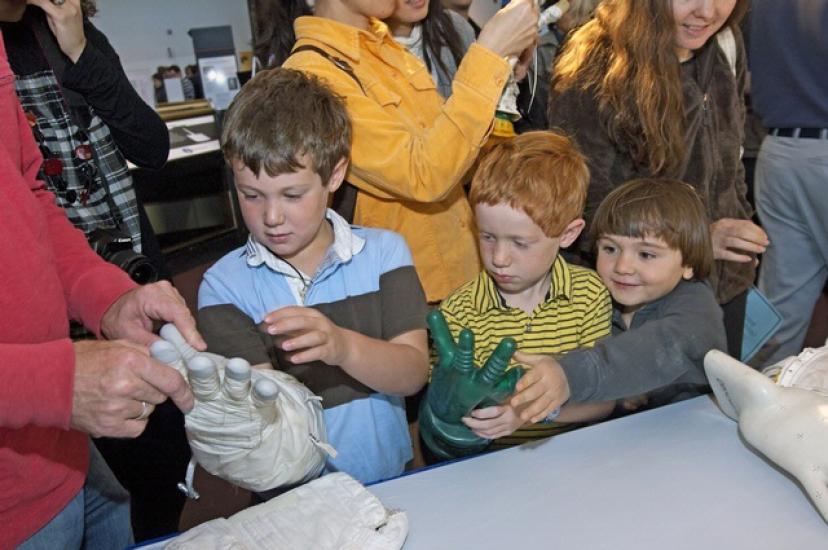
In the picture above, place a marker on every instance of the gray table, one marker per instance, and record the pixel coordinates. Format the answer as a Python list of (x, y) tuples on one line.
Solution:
[(672, 478)]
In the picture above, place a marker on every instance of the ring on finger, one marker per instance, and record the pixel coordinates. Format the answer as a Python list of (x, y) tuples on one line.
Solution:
[(146, 410), (58, 2)]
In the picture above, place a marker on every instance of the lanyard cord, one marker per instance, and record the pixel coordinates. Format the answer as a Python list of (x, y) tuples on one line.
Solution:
[(305, 282)]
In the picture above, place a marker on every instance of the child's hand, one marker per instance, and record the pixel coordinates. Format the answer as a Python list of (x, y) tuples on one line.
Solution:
[(493, 422), (635, 402), (309, 335), (542, 389)]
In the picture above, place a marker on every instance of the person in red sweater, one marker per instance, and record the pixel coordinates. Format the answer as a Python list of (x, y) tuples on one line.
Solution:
[(53, 392)]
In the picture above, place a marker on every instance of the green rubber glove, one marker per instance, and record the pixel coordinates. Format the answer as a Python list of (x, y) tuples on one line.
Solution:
[(457, 387)]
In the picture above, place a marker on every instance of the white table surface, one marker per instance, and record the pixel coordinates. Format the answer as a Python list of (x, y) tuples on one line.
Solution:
[(672, 478)]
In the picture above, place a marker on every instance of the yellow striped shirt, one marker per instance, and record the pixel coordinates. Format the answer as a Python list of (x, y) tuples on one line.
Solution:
[(576, 313)]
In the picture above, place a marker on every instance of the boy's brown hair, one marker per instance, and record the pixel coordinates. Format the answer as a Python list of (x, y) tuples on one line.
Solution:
[(282, 115), (666, 209), (541, 173)]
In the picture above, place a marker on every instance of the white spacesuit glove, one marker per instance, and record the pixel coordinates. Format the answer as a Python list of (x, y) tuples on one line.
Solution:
[(333, 512), (259, 429), (787, 425), (808, 370)]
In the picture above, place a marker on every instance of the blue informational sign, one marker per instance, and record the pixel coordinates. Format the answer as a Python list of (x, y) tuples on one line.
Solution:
[(761, 322)]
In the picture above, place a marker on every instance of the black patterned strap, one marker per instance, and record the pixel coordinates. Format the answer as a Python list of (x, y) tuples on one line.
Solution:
[(338, 61), (345, 198)]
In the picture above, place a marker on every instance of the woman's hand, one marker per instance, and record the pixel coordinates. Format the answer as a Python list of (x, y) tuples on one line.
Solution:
[(513, 30), (730, 235), (66, 23)]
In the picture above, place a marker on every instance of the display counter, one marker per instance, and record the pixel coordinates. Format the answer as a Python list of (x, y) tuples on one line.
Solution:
[(678, 477)]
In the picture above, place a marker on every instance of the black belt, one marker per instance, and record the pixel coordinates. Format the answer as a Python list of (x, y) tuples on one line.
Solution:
[(812, 133)]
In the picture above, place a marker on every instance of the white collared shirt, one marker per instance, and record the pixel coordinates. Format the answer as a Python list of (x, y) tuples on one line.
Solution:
[(345, 245)]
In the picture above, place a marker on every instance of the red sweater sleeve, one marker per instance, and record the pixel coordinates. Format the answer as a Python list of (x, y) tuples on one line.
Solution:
[(47, 271)]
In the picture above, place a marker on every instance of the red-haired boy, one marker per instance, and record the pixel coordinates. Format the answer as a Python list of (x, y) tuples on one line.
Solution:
[(528, 196)]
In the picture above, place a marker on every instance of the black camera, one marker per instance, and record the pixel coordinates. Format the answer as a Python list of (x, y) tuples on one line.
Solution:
[(115, 247)]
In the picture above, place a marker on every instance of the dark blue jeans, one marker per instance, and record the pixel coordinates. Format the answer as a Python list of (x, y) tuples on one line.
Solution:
[(97, 518)]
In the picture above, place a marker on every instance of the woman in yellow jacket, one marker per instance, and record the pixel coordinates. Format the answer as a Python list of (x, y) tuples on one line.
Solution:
[(411, 149)]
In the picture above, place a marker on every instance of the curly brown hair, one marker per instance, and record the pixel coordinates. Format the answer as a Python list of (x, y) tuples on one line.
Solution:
[(626, 57)]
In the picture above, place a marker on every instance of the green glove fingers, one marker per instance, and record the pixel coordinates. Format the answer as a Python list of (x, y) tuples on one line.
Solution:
[(464, 358), (441, 335), (458, 387), (498, 361), (504, 388)]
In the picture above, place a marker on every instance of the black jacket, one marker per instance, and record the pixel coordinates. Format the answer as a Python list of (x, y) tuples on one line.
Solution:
[(97, 79)]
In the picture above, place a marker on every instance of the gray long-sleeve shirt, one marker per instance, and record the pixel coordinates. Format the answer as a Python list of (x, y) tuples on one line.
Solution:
[(663, 348)]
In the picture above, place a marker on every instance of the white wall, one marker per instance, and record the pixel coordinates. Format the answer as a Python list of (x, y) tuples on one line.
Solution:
[(149, 33)]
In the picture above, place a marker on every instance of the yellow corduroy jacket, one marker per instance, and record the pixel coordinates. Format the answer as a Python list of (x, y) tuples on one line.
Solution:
[(411, 150)]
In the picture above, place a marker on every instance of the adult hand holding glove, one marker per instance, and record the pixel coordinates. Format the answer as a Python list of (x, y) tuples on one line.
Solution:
[(259, 429)]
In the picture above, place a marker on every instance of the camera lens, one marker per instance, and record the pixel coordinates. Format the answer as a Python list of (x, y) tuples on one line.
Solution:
[(115, 247), (138, 267)]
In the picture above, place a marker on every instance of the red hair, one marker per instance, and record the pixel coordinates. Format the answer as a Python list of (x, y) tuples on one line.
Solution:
[(541, 173)]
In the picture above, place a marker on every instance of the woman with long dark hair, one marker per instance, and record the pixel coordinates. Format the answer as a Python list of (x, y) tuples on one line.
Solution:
[(274, 29), (655, 88)]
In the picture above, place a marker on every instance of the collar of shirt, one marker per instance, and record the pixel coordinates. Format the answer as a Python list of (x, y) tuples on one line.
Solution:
[(642, 315), (414, 41), (486, 295), (344, 38), (346, 244)]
